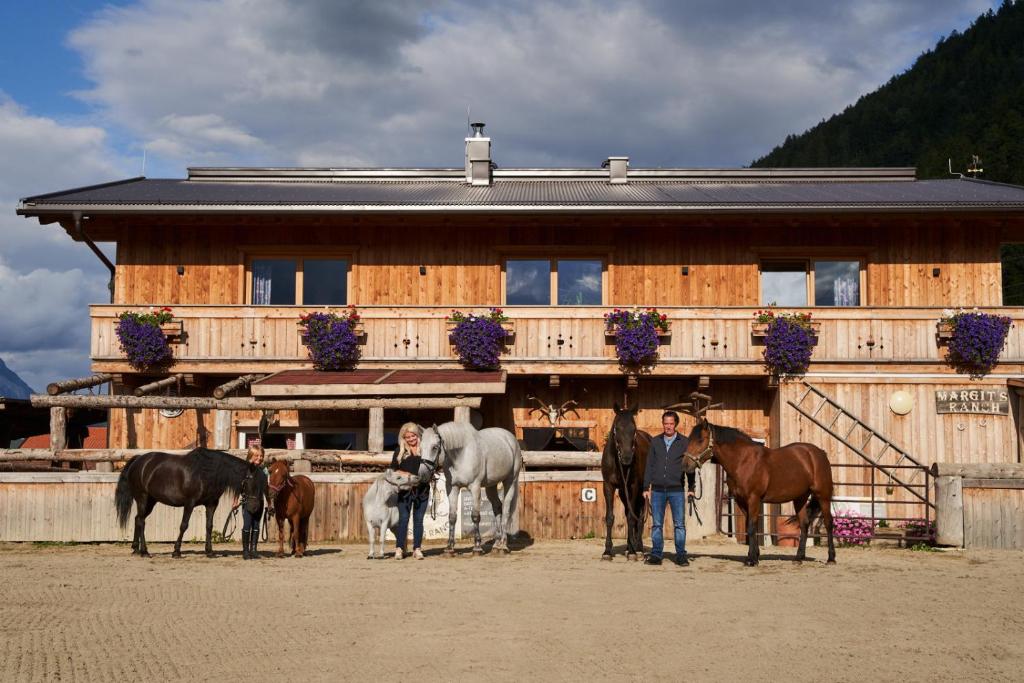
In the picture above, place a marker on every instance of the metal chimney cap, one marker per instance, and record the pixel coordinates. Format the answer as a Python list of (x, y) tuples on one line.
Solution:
[(478, 129)]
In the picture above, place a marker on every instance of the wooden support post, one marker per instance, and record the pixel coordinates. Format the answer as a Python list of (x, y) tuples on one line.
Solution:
[(375, 436), (55, 388), (58, 429), (104, 467), (949, 510), (302, 465), (157, 385), (235, 384), (704, 382), (462, 414), (246, 403), (554, 381), (222, 429)]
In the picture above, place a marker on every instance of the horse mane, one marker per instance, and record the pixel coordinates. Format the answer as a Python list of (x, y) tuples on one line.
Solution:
[(731, 435), (217, 470), (455, 434)]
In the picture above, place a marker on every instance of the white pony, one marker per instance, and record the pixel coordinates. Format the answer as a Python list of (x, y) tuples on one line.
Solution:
[(380, 505), (475, 460)]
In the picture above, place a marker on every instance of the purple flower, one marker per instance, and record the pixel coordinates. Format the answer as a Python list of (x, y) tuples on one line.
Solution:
[(478, 341), (850, 528), (143, 342), (788, 346), (331, 341), (978, 339), (636, 335)]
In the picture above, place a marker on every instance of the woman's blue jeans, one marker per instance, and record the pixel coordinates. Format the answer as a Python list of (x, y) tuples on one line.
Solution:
[(673, 500), (411, 503)]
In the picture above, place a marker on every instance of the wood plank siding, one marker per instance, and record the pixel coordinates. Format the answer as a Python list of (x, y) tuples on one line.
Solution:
[(463, 256)]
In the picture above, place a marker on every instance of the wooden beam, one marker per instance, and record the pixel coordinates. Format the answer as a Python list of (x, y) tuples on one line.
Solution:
[(554, 381), (58, 429), (235, 384), (199, 402), (222, 429), (536, 459), (173, 380), (55, 388), (367, 390), (704, 382), (462, 414)]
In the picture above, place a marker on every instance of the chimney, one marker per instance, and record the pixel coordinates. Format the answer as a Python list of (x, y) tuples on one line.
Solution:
[(478, 157), (617, 168)]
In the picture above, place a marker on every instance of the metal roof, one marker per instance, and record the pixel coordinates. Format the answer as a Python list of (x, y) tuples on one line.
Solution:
[(566, 190)]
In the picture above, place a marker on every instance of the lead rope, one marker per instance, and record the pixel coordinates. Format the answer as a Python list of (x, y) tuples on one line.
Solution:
[(640, 520), (232, 519), (697, 496)]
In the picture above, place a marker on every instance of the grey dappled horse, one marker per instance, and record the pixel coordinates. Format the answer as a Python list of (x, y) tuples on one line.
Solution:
[(475, 460), (380, 505)]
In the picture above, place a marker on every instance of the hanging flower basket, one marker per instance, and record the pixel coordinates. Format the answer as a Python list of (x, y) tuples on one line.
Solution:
[(789, 342), (974, 340), (637, 335), (479, 339), (332, 339), (143, 338)]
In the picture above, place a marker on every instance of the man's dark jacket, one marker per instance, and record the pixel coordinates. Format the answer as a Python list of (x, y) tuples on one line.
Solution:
[(664, 470)]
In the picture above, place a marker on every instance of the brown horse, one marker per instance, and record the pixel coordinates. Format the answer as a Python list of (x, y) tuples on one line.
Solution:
[(622, 469), (756, 474), (291, 498)]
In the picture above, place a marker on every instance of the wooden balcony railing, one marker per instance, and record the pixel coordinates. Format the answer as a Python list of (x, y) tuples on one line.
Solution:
[(552, 340)]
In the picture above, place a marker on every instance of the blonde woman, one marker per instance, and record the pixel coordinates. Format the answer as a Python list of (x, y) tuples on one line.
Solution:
[(412, 503), (252, 511)]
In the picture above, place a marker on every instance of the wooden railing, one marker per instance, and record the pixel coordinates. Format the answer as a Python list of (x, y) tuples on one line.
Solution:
[(548, 339)]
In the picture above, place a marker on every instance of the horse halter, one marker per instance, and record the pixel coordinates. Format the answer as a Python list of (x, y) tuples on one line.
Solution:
[(708, 451), (434, 464)]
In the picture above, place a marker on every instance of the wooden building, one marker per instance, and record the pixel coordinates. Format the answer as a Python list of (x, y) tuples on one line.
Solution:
[(240, 253)]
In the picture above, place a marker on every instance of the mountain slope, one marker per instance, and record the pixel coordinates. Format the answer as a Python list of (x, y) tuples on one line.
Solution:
[(964, 97), (12, 386)]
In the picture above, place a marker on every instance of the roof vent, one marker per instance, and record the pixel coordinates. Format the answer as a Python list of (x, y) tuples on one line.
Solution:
[(617, 169), (478, 157)]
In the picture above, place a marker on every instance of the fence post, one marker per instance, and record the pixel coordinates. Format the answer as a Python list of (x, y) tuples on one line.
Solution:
[(58, 429), (221, 429), (375, 436), (462, 413)]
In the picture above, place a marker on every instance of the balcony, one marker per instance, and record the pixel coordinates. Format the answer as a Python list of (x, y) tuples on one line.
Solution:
[(563, 340)]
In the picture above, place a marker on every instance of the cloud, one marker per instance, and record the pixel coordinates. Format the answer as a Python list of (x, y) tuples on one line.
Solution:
[(334, 83), (47, 280)]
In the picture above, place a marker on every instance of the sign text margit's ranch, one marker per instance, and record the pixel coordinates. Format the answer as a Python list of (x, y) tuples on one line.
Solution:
[(981, 401)]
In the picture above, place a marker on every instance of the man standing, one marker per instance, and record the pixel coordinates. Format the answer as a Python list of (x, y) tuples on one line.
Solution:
[(663, 485)]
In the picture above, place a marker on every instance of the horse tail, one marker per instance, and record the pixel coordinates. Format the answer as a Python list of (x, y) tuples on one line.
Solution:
[(123, 496), (813, 510)]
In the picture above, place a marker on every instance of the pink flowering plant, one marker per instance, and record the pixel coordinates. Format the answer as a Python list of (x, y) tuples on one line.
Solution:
[(479, 339), (852, 528), (331, 339), (636, 335), (141, 339), (788, 343), (978, 339)]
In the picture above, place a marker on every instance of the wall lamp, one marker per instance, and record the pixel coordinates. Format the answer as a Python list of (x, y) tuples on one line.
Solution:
[(935, 272), (423, 270), (686, 270), (181, 270)]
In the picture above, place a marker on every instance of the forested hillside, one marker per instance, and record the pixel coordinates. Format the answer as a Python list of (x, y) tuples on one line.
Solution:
[(964, 97)]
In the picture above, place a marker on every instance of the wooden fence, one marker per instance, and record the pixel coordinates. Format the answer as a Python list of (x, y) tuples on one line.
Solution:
[(79, 507), (980, 505)]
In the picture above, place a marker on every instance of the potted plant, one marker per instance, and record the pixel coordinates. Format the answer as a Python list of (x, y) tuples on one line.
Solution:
[(479, 339), (789, 342), (764, 318), (332, 339), (974, 339), (143, 338), (637, 335), (851, 528)]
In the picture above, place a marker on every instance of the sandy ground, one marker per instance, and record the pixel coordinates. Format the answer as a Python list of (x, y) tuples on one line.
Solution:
[(552, 611)]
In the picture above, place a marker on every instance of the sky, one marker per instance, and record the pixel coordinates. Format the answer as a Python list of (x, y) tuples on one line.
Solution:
[(87, 89)]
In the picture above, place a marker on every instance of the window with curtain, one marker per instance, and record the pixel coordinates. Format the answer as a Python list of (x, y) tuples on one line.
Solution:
[(837, 283), (273, 282), (822, 282)]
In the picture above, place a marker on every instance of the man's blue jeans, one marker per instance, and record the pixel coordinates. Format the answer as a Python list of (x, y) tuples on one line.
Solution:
[(674, 500)]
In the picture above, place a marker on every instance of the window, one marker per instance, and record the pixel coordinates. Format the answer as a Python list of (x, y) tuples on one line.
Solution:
[(1011, 257), (557, 281), (825, 282), (298, 280)]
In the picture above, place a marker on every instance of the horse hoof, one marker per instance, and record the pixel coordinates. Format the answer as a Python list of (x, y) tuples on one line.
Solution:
[(505, 550), (176, 554), (607, 557), (749, 563), (632, 557), (211, 555), (478, 551), (280, 554), (449, 551), (144, 554), (831, 562)]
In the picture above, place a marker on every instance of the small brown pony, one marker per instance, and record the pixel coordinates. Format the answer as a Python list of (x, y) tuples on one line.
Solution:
[(756, 474), (291, 498)]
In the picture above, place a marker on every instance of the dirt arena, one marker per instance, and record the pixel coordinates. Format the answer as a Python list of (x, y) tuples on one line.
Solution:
[(551, 611)]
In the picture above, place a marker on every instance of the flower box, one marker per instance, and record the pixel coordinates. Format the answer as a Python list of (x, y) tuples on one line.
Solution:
[(944, 331), (357, 329), (509, 326), (760, 330), (609, 333), (174, 330)]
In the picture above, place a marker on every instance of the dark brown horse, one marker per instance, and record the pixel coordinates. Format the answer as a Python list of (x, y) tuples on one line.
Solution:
[(622, 468), (291, 498), (756, 474), (199, 477)]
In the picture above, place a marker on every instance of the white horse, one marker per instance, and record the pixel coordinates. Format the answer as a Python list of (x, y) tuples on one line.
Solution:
[(380, 505), (475, 460)]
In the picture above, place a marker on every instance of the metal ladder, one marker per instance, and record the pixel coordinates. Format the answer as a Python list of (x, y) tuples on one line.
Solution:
[(889, 450)]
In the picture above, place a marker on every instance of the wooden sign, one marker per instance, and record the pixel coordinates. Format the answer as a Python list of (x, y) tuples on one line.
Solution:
[(981, 401)]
